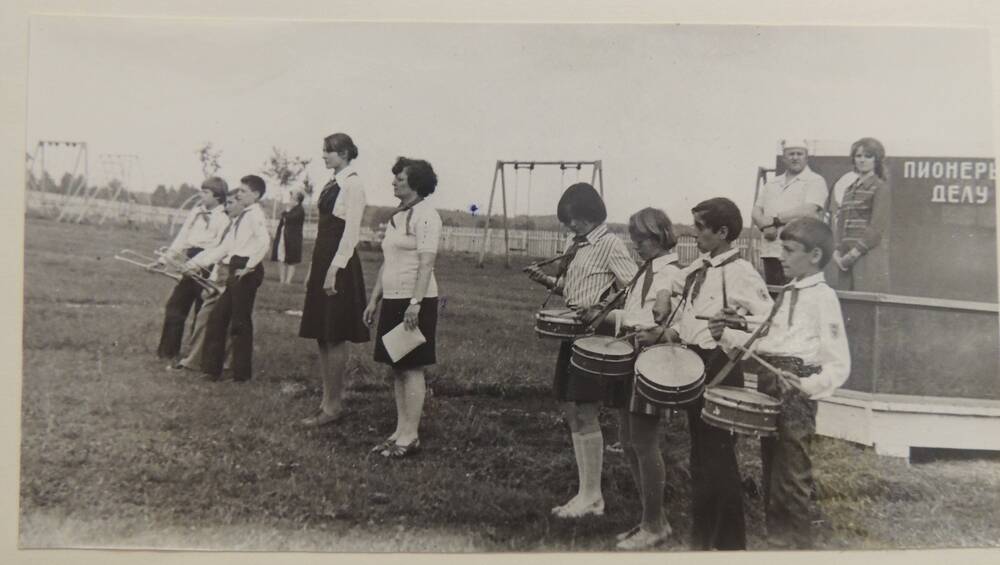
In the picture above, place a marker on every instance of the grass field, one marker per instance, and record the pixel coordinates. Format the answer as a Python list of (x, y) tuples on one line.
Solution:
[(117, 451)]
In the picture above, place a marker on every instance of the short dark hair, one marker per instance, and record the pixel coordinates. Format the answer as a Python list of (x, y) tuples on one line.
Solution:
[(217, 186), (255, 184), (812, 234), (419, 175), (581, 201), (341, 143), (719, 212), (655, 224)]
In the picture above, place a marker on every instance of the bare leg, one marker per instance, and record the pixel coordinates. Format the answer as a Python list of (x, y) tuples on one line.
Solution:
[(414, 393), (291, 273), (333, 377)]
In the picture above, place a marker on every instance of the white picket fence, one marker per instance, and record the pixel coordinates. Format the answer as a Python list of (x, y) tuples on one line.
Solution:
[(524, 243)]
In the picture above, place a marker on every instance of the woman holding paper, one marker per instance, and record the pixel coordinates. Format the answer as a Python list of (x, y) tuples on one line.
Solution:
[(407, 290)]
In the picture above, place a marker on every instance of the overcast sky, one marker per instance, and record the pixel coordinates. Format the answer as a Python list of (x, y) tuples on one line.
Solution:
[(677, 113)]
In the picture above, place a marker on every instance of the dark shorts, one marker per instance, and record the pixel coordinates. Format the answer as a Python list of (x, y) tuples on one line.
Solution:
[(391, 315)]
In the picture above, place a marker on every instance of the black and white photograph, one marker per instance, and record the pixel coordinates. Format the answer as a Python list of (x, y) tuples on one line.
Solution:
[(507, 287)]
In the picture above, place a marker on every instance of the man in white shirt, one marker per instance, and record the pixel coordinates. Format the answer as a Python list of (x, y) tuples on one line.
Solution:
[(200, 231), (798, 193), (243, 246)]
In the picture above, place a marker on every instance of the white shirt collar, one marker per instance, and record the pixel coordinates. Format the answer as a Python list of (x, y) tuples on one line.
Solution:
[(344, 173), (811, 280), (805, 174), (721, 257), (660, 262)]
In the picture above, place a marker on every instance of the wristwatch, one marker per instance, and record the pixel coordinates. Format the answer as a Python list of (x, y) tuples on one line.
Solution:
[(414, 302)]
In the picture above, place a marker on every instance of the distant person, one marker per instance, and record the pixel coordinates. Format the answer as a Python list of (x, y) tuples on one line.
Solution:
[(806, 341), (241, 250), (596, 260), (335, 286), (200, 231), (797, 193), (407, 290), (286, 249), (861, 209)]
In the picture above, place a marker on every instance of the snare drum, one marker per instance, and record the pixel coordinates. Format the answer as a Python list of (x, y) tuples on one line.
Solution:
[(669, 375), (603, 356), (559, 324), (741, 410)]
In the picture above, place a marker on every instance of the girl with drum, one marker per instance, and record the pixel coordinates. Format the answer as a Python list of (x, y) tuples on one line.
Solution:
[(596, 260), (408, 291), (645, 308), (335, 285)]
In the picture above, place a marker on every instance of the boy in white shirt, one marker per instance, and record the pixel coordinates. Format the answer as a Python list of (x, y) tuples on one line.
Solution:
[(244, 244), (806, 342), (200, 231)]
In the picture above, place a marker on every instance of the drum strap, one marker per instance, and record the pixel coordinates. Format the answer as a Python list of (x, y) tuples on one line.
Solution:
[(567, 258), (761, 331)]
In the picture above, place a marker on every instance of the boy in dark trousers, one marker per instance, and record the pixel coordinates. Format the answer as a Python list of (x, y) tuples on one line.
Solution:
[(807, 345)]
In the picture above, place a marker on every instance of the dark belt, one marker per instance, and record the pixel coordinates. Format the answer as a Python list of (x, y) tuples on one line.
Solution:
[(794, 365)]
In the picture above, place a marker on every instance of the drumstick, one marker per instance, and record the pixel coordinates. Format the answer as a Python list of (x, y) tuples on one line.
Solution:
[(625, 337), (734, 321), (781, 373)]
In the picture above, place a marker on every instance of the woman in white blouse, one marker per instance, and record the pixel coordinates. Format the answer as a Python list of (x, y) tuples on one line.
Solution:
[(408, 293), (335, 285)]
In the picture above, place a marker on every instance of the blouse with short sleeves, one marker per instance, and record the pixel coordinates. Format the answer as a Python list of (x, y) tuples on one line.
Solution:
[(411, 232)]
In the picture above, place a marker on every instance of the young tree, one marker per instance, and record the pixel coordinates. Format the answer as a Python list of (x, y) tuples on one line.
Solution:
[(209, 159), (285, 171)]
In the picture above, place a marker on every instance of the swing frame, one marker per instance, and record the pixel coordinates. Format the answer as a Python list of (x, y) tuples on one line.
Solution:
[(499, 173), (80, 157)]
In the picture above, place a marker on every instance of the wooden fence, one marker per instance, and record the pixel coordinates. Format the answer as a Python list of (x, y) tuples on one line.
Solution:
[(522, 243)]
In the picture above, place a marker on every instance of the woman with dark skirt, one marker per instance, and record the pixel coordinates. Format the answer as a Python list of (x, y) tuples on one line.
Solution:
[(287, 248), (335, 285), (408, 293)]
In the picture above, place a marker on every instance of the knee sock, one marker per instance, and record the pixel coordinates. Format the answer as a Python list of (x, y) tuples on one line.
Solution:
[(592, 461)]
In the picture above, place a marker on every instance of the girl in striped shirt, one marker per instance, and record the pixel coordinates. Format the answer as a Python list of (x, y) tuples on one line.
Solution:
[(597, 261)]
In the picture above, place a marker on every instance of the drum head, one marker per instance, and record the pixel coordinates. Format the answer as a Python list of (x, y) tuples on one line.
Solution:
[(670, 366), (742, 396), (603, 345)]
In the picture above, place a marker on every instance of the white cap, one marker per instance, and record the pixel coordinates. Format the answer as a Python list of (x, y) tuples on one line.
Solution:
[(789, 142)]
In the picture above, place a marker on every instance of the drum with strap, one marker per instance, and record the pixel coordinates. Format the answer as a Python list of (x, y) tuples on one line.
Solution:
[(560, 324), (741, 410), (603, 356), (669, 375)]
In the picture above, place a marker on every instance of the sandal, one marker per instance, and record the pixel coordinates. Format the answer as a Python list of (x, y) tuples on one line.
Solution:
[(396, 451), (386, 444)]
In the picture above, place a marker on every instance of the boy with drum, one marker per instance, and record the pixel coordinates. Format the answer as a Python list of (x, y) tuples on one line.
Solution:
[(595, 261), (807, 358), (719, 280)]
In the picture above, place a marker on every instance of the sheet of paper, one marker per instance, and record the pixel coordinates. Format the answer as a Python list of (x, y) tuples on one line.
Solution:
[(399, 341)]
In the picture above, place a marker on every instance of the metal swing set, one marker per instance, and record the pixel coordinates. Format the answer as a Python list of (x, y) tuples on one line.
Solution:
[(500, 173)]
